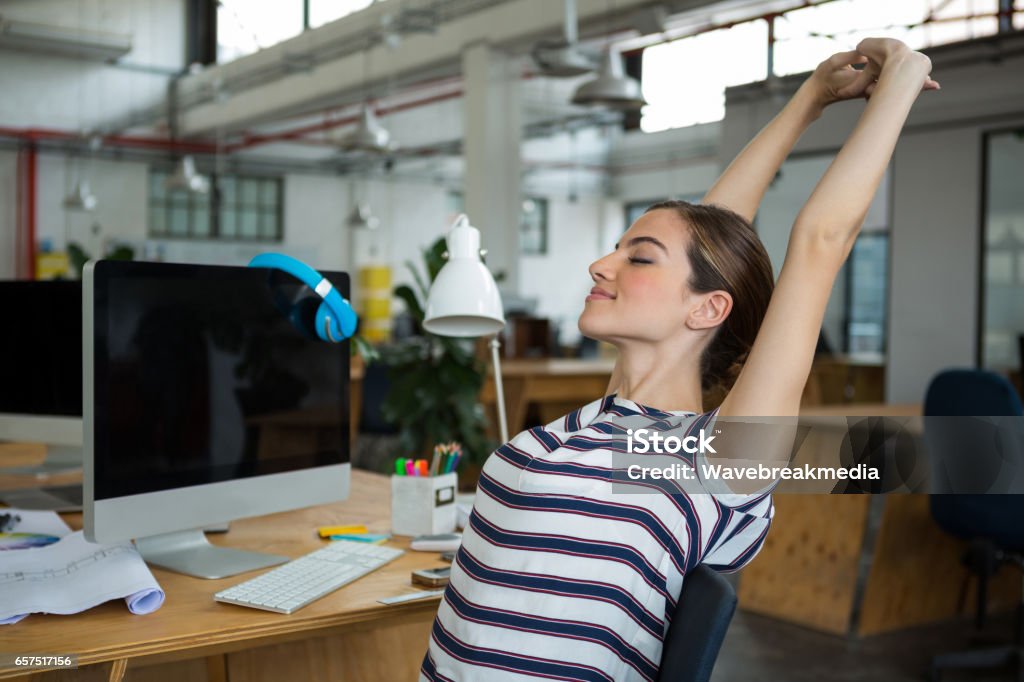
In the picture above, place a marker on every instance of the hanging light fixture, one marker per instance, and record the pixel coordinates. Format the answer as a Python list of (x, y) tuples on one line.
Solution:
[(612, 87), (81, 198), (369, 135), (187, 178), (362, 219), (563, 58)]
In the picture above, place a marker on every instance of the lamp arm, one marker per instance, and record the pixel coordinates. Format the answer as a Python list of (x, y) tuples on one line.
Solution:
[(499, 390)]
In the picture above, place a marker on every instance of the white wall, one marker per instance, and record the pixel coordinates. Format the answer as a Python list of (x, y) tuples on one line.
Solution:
[(666, 164), (57, 92), (120, 215), (933, 287), (559, 280)]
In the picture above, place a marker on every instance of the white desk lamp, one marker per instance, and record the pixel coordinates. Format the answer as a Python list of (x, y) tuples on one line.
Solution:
[(464, 300)]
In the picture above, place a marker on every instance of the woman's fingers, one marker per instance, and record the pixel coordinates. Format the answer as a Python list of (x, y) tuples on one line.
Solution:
[(841, 59), (879, 49)]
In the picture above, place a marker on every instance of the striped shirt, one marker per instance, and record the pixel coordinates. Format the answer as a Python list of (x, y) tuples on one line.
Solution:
[(561, 577)]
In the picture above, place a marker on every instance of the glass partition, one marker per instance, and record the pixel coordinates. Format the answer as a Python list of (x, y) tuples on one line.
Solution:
[(1002, 290)]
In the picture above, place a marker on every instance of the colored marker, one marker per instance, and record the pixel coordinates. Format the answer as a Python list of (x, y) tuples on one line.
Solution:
[(328, 531)]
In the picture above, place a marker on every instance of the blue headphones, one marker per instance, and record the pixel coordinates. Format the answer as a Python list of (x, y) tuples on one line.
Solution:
[(335, 319)]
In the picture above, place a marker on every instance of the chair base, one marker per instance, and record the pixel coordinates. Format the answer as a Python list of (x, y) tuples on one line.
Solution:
[(992, 657)]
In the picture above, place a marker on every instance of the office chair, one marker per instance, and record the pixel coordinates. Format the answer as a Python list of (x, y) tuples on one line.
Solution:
[(990, 523), (698, 628)]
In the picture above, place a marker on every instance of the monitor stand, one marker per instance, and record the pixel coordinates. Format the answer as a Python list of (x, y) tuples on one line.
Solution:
[(190, 553)]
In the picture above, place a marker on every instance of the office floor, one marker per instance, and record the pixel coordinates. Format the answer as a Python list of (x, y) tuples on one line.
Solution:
[(788, 653)]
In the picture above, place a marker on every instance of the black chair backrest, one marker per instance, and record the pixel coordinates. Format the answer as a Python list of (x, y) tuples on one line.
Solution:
[(698, 628), (961, 455), (971, 393)]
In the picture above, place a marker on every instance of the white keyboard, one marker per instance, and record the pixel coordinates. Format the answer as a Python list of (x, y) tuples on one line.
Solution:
[(291, 586)]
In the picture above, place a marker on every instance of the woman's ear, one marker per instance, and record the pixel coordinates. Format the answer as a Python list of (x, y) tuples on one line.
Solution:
[(711, 311)]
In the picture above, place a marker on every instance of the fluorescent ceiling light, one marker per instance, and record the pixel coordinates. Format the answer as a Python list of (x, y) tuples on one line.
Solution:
[(63, 41)]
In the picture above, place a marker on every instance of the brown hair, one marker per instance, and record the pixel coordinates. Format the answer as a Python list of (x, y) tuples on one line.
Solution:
[(726, 255)]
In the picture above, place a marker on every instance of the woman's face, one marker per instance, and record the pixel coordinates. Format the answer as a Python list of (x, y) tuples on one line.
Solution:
[(641, 289)]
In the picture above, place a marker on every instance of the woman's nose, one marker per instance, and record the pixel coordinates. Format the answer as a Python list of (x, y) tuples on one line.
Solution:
[(602, 269)]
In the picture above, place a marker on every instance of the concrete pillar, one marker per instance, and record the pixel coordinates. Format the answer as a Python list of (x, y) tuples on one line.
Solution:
[(493, 137)]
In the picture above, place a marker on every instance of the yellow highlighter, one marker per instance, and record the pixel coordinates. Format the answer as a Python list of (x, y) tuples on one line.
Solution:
[(328, 531)]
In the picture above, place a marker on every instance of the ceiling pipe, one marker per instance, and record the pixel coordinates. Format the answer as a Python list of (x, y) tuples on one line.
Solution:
[(127, 141), (563, 59)]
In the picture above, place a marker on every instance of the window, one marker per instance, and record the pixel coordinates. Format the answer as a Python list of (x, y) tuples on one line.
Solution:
[(1002, 291), (807, 36), (237, 207), (533, 227), (684, 80), (325, 11), (855, 318), (867, 275), (244, 27)]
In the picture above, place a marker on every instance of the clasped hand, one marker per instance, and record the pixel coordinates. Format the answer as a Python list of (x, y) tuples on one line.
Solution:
[(836, 79)]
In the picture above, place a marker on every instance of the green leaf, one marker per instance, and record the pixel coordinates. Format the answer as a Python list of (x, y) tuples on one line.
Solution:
[(364, 348), (434, 257), (412, 304), (418, 278), (78, 257)]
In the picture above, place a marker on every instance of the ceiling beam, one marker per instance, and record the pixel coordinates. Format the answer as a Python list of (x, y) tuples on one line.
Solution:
[(266, 85)]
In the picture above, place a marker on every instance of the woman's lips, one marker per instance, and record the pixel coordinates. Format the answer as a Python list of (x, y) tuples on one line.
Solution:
[(599, 295)]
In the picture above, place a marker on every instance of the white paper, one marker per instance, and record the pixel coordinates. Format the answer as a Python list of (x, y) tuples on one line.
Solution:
[(41, 522), (73, 575)]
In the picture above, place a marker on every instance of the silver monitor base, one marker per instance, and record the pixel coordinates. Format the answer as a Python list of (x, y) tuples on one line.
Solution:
[(190, 553)]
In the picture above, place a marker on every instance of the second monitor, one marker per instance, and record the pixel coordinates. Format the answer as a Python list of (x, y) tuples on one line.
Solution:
[(208, 397)]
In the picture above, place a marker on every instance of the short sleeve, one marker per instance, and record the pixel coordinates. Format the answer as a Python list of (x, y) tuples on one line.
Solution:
[(719, 488), (746, 528)]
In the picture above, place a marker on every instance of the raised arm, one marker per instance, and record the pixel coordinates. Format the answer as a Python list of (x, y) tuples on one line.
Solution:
[(773, 378), (742, 185)]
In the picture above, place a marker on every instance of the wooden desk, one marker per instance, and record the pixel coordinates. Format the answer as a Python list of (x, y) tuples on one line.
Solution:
[(860, 564), (346, 635), (846, 379), (556, 386)]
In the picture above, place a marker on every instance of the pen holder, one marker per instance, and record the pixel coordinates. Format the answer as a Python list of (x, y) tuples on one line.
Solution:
[(423, 505)]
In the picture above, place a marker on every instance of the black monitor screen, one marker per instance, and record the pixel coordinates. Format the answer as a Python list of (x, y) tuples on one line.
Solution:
[(41, 348), (207, 373)]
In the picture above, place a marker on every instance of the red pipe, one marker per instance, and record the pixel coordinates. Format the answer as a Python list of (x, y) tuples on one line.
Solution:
[(43, 134), (295, 134), (25, 230)]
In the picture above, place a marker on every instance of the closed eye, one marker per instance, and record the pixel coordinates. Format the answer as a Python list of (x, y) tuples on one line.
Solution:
[(641, 261)]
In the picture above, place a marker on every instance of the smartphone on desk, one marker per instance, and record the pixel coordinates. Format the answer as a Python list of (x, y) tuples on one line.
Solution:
[(432, 577)]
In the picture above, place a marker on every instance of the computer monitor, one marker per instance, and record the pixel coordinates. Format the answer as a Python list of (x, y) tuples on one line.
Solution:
[(41, 366), (208, 398)]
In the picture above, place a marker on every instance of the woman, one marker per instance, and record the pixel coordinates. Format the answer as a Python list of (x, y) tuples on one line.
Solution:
[(559, 576)]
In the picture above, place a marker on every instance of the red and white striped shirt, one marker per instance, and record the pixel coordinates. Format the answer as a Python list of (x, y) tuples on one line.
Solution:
[(561, 575)]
